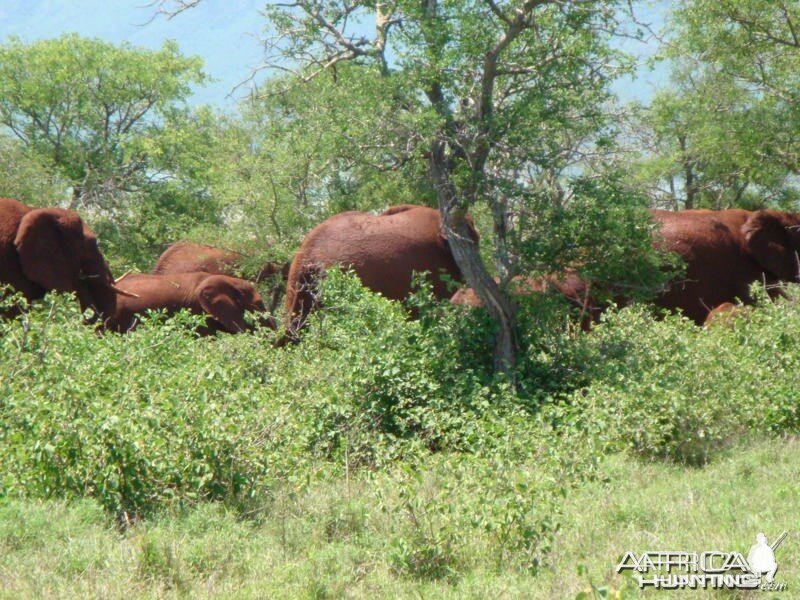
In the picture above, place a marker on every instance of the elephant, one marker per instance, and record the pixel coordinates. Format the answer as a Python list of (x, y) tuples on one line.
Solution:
[(52, 249), (223, 299), (725, 251), (384, 250), (187, 257), (569, 284), (724, 314)]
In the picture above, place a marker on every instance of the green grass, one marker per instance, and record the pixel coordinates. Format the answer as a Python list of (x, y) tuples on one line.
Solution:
[(656, 506), (331, 541)]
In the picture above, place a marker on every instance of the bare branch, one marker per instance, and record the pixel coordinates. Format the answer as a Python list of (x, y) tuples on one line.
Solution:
[(169, 8)]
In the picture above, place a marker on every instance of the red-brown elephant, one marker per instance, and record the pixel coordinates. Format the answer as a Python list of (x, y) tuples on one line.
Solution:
[(383, 250), (187, 257), (569, 285), (725, 251), (724, 315), (52, 249), (222, 298)]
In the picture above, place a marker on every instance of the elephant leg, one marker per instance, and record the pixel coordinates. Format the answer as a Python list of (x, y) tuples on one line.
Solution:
[(305, 298), (275, 296)]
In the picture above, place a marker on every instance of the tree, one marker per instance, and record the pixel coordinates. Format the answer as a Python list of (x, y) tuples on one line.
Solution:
[(720, 134), (290, 160), (175, 198), (83, 105), (23, 177), (498, 95)]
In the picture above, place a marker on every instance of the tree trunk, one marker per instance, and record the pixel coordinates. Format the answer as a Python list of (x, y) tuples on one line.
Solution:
[(465, 253), (500, 214), (688, 171), (75, 201)]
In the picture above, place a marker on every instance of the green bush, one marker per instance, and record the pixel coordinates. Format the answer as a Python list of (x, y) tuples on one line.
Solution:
[(667, 388), (400, 385), (135, 421), (160, 416), (602, 228)]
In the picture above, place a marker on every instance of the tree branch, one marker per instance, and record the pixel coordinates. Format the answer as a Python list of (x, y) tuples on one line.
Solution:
[(177, 7)]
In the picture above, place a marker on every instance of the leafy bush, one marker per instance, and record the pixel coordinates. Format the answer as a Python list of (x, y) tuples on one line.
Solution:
[(600, 227), (135, 421), (423, 457), (401, 385), (160, 416), (670, 389)]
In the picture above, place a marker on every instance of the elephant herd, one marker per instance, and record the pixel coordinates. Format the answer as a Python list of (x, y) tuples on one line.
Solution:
[(48, 249)]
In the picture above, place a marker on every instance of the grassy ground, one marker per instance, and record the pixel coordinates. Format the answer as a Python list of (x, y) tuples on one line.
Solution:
[(661, 507), (332, 542)]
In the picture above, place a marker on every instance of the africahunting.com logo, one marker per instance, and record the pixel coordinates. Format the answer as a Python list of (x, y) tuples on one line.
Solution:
[(671, 570)]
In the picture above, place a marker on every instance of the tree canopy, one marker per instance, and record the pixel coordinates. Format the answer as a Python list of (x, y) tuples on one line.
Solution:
[(87, 106), (720, 133)]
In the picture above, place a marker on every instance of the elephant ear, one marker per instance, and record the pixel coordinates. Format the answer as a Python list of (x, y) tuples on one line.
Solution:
[(222, 301), (769, 241), (45, 253)]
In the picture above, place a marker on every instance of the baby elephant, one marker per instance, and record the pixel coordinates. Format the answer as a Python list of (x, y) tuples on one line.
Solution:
[(724, 315), (221, 298)]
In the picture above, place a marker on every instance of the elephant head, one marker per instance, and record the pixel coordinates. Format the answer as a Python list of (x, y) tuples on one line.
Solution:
[(226, 299), (773, 238), (57, 251)]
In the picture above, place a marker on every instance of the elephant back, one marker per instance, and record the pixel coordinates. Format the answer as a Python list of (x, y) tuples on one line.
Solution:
[(383, 250), (187, 257)]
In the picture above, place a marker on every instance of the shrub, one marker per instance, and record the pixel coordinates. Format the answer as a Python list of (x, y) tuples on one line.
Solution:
[(456, 468), (135, 421), (672, 390), (401, 385)]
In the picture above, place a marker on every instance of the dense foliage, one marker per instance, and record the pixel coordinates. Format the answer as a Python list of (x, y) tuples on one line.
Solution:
[(87, 107), (717, 136), (104, 128), (667, 389), (161, 418)]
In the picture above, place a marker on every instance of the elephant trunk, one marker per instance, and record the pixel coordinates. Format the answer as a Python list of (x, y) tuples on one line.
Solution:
[(86, 302), (95, 289), (268, 321)]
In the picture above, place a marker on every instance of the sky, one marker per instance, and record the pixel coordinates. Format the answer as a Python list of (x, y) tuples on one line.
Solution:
[(642, 84), (224, 33)]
